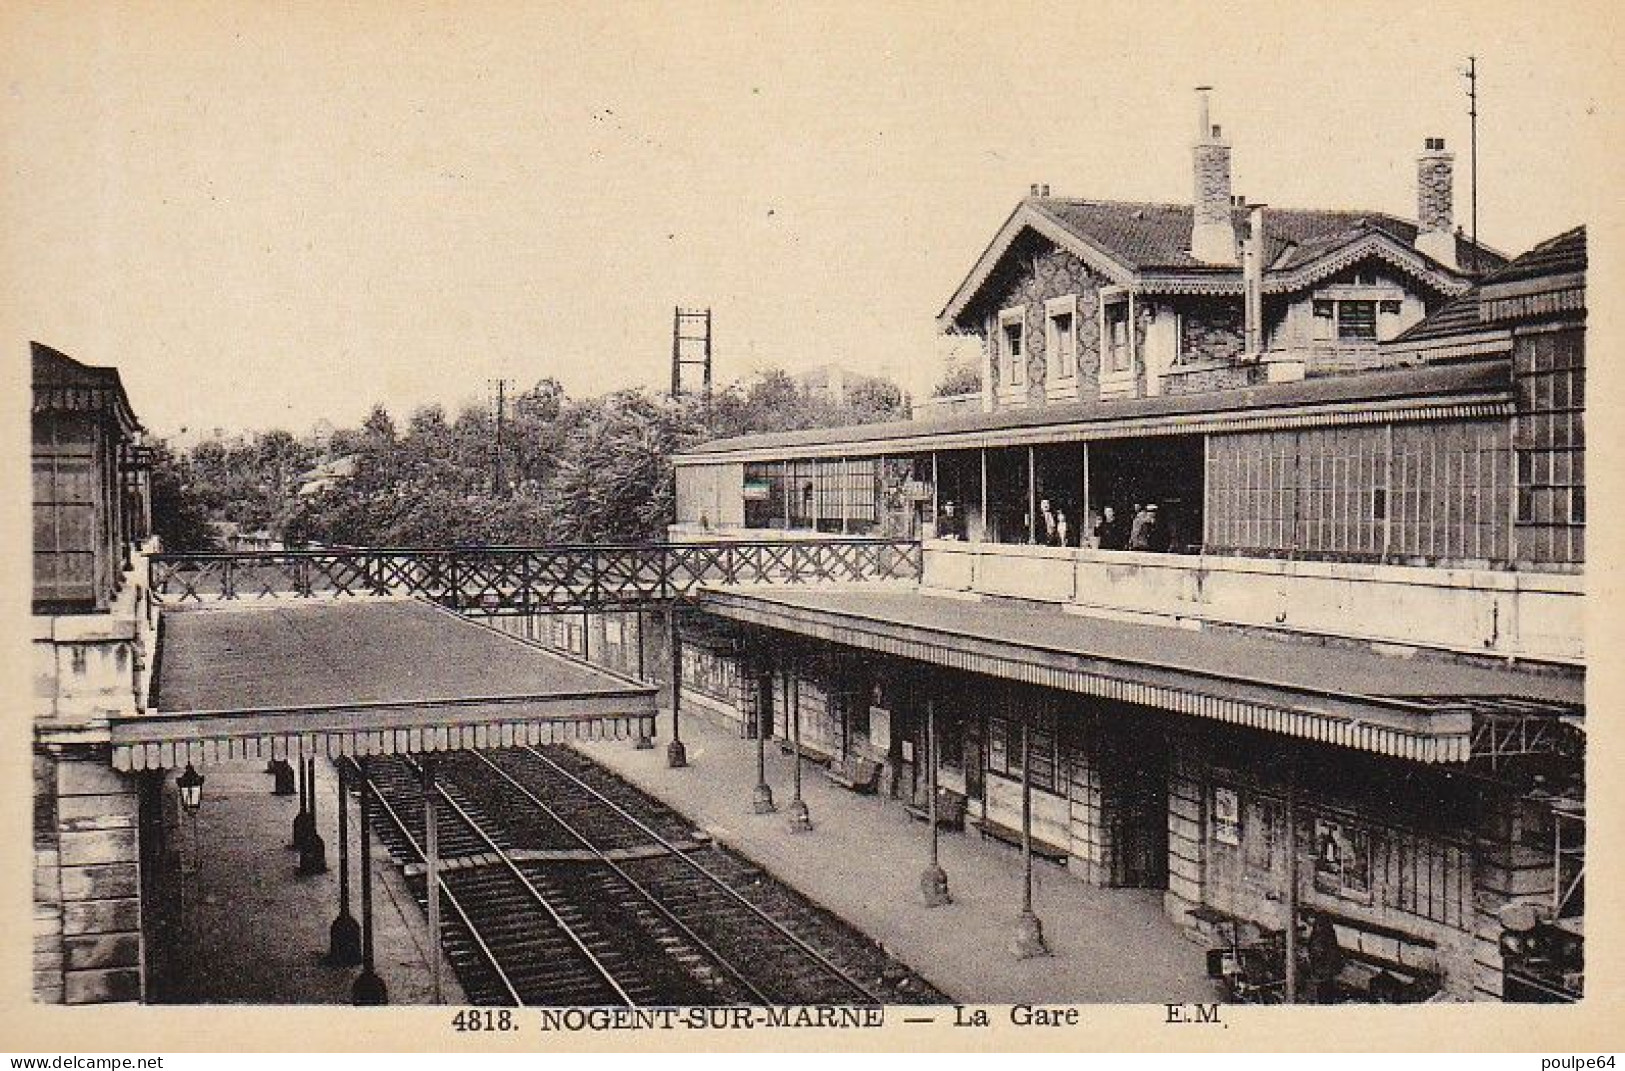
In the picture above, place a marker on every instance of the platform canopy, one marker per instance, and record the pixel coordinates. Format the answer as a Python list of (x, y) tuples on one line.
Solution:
[(1410, 708), (298, 678)]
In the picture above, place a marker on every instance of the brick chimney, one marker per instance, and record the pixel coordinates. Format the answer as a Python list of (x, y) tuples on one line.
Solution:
[(1213, 234), (1435, 185)]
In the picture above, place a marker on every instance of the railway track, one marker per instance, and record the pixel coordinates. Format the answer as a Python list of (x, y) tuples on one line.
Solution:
[(562, 885)]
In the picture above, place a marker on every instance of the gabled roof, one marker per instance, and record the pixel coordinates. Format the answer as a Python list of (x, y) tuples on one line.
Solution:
[(1128, 241), (1549, 278)]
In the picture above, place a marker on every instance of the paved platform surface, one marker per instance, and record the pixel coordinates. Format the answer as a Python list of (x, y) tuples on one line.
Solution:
[(863, 861), (253, 932)]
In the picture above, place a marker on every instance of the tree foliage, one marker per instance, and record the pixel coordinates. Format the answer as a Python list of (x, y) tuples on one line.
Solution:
[(592, 470)]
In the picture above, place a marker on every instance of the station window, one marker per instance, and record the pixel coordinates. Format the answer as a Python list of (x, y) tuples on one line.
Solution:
[(1012, 345), (1117, 348), (1061, 337)]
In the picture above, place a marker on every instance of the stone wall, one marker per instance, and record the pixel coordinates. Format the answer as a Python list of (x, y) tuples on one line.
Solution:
[(1212, 330), (87, 882), (1048, 272)]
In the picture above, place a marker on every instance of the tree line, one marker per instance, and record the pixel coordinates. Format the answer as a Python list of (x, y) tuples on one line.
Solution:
[(589, 470)]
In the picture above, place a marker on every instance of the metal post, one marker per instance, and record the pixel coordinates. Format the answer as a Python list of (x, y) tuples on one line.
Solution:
[(934, 882), (1032, 496), (983, 537), (344, 936), (1029, 937), (586, 635), (645, 739), (1291, 883), (431, 876), (312, 853), (369, 989), (303, 825), (762, 798), (936, 495), (676, 753), (800, 819)]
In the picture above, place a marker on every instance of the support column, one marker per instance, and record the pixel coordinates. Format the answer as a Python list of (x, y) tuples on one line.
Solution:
[(936, 495), (762, 798), (344, 936), (431, 877), (1029, 936), (676, 753), (369, 989), (303, 824), (985, 526), (645, 738), (934, 882), (1032, 496), (1291, 897), (800, 818), (312, 853)]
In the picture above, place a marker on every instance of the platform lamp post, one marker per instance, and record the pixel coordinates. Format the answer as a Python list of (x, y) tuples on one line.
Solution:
[(344, 936), (369, 989), (190, 786), (1028, 940), (934, 881), (313, 852), (676, 753), (761, 800), (800, 818)]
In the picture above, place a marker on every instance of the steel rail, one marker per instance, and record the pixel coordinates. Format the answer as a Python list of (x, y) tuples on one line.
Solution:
[(813, 953), (535, 893), (653, 900), (485, 949)]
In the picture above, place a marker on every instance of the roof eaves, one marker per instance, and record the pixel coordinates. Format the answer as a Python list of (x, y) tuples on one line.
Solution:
[(1029, 215)]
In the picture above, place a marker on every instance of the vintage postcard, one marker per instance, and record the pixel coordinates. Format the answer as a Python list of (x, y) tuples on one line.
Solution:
[(836, 526)]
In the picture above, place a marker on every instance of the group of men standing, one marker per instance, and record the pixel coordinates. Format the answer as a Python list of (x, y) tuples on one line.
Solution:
[(1142, 529)]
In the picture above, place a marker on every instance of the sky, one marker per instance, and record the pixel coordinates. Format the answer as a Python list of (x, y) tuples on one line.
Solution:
[(269, 214)]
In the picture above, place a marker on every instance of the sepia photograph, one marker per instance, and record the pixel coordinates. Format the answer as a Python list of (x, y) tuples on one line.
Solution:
[(831, 525)]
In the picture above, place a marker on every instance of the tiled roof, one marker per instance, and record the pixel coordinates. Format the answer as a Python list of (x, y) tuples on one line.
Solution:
[(1150, 236), (1555, 256), (1562, 255)]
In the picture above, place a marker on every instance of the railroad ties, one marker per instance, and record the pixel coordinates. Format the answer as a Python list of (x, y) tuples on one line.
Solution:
[(561, 885)]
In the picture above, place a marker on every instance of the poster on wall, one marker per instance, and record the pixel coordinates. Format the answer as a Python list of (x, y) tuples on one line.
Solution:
[(880, 729), (1342, 858), (1226, 815)]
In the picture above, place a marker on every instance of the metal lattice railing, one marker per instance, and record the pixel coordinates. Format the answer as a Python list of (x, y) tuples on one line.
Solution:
[(528, 580)]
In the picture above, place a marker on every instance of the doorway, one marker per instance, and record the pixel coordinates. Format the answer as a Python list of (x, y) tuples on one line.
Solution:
[(1135, 802)]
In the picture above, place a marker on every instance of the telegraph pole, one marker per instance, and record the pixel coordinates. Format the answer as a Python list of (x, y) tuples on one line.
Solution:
[(1472, 114), (498, 484)]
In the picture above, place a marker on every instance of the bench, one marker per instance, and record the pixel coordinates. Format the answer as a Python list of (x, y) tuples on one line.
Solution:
[(855, 774), (950, 810), (1043, 850)]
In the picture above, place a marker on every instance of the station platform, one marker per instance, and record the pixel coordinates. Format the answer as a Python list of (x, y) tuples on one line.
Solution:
[(863, 859), (245, 928)]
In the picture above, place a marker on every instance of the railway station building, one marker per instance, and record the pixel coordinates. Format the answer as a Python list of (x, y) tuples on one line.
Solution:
[(1257, 570)]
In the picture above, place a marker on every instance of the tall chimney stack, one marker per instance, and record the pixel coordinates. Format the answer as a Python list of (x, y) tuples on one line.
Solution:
[(1213, 234), (1435, 186)]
